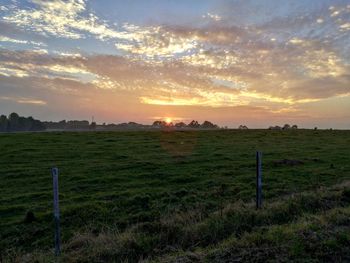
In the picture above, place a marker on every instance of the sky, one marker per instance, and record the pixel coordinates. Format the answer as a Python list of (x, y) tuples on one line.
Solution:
[(232, 62)]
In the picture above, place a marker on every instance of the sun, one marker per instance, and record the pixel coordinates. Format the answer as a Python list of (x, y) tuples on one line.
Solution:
[(168, 120)]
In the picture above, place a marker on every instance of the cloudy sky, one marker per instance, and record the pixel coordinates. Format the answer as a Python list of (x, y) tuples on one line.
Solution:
[(257, 63)]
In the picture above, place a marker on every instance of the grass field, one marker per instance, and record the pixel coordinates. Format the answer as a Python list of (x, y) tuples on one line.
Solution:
[(176, 196)]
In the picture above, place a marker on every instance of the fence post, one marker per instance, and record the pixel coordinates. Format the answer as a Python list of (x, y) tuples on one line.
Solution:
[(258, 180), (56, 211)]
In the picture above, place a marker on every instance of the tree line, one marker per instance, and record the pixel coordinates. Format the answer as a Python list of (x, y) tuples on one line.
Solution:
[(193, 124), (14, 122), (69, 125)]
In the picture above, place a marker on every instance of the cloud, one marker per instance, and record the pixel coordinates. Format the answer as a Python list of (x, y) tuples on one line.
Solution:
[(59, 18), (22, 100), (345, 26), (214, 17), (19, 41), (38, 63), (71, 19), (278, 63), (212, 78), (12, 40)]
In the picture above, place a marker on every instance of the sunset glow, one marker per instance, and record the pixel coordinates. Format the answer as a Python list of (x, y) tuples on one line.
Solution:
[(233, 62), (168, 120)]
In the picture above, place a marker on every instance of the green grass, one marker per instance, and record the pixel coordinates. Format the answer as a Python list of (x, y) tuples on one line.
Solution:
[(129, 192), (308, 227)]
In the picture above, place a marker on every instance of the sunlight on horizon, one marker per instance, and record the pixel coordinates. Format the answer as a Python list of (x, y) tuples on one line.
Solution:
[(168, 120)]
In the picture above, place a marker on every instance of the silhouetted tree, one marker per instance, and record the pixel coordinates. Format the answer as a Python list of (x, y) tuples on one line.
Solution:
[(194, 124), (208, 125), (38, 126), (286, 127), (3, 123), (77, 124), (275, 128), (158, 124), (242, 127), (16, 123), (180, 125), (13, 122), (93, 125), (62, 123)]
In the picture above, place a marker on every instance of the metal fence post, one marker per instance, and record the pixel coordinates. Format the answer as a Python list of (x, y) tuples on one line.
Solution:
[(258, 180), (56, 210)]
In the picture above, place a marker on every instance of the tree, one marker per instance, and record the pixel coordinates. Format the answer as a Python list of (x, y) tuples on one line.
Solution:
[(38, 126), (242, 127), (62, 124), (158, 124), (180, 125), (13, 117), (18, 123), (3, 123), (13, 122), (25, 124), (194, 124), (93, 125), (78, 124), (275, 128), (208, 125), (286, 127)]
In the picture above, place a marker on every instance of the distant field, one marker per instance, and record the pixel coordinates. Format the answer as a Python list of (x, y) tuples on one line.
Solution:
[(115, 181)]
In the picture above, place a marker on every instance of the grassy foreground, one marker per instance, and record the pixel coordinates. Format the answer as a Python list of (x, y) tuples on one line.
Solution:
[(176, 196)]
